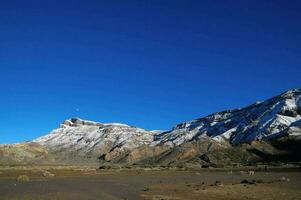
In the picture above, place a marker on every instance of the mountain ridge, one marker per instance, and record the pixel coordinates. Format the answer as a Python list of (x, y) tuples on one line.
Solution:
[(278, 109), (255, 132)]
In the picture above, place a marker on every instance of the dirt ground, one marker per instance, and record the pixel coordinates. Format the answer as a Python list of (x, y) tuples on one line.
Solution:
[(91, 184)]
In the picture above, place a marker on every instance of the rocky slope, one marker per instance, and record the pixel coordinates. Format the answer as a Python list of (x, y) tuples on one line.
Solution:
[(24, 153), (267, 120), (84, 138)]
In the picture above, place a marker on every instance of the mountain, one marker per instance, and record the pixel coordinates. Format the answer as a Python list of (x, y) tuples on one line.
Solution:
[(83, 138), (267, 120), (262, 132)]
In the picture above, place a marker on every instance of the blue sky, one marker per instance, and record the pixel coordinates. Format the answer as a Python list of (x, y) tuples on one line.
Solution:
[(150, 64)]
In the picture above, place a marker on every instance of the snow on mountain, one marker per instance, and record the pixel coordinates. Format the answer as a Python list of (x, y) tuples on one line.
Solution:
[(275, 117), (85, 137)]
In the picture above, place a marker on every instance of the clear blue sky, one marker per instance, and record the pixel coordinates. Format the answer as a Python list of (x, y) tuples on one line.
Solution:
[(150, 63)]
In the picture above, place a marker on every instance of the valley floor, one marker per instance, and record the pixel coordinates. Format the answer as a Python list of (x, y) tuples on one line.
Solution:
[(75, 183)]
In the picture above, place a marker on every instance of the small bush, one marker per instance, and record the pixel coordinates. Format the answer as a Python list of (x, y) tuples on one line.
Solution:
[(23, 179), (48, 174)]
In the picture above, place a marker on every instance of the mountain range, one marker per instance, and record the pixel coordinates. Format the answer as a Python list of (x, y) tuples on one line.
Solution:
[(267, 131)]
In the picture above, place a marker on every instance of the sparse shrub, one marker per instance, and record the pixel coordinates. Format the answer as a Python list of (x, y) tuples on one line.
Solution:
[(284, 179), (23, 179), (251, 173), (48, 174)]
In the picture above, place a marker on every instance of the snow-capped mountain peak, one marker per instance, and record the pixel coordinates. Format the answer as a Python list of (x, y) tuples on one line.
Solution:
[(260, 121), (81, 122), (85, 136)]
